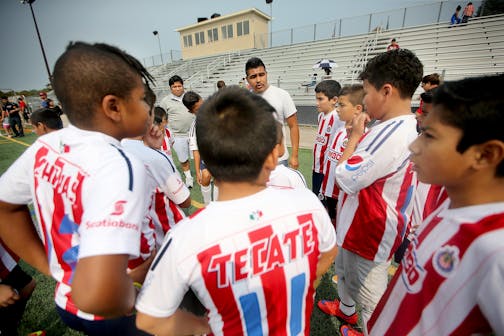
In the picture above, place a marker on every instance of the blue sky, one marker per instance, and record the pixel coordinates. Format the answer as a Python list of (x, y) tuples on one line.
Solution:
[(129, 24)]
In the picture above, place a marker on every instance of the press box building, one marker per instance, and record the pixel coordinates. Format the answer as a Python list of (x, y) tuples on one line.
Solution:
[(247, 29)]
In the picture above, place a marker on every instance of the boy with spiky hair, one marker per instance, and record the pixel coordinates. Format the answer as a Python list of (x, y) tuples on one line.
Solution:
[(376, 184), (450, 280), (89, 195), (252, 263)]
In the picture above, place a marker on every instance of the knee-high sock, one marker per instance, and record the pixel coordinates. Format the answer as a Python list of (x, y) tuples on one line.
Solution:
[(347, 304), (215, 193), (206, 192)]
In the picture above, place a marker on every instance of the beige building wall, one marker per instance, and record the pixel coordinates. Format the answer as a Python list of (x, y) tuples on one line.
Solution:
[(198, 40)]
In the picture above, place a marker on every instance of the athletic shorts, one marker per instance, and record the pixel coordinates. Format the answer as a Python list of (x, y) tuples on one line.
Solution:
[(364, 280), (181, 147)]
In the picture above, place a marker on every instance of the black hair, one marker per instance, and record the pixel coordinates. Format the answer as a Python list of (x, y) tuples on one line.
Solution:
[(253, 63), (190, 99), (399, 68), (427, 96), (47, 116), (174, 79), (4, 97), (330, 88), (432, 78), (476, 107), (85, 73), (150, 98), (159, 115), (236, 132), (355, 93), (221, 84)]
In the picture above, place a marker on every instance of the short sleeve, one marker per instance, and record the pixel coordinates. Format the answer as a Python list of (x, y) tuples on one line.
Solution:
[(112, 220), (164, 288), (15, 182)]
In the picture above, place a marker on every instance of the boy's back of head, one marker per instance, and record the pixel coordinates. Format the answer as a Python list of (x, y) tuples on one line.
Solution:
[(400, 68), (236, 132), (355, 93), (47, 116), (476, 107), (190, 99), (85, 73), (330, 88)]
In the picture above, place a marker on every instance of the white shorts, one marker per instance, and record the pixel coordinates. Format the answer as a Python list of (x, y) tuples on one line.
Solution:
[(181, 147), (364, 280)]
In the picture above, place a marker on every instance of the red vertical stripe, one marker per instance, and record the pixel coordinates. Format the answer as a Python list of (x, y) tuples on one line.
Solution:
[(223, 298), (274, 287), (313, 259)]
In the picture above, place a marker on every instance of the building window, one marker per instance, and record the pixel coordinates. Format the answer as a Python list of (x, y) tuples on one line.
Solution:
[(199, 37), (245, 27), (213, 35), (242, 28), (227, 31), (189, 40)]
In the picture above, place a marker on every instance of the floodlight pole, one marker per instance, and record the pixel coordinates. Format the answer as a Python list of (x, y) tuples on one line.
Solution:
[(29, 2), (156, 33), (270, 2)]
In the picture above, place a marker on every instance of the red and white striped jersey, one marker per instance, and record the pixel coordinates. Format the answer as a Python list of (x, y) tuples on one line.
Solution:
[(8, 260), (377, 186), (428, 197), (89, 199), (167, 142), (327, 125), (450, 279), (162, 176), (251, 262), (334, 152)]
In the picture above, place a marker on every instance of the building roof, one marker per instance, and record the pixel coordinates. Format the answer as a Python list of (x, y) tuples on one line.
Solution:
[(224, 17)]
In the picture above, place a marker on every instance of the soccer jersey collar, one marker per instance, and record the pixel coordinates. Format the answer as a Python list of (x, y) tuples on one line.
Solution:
[(92, 134)]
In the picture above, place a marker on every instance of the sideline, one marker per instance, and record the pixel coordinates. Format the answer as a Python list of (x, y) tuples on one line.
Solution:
[(4, 140), (14, 140)]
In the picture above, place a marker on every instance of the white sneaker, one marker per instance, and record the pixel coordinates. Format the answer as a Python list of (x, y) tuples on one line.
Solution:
[(189, 182)]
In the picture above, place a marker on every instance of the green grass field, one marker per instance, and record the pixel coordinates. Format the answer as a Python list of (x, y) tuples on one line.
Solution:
[(40, 313)]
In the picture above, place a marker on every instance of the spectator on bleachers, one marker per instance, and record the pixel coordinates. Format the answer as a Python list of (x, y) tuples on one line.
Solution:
[(455, 19), (221, 84), (393, 45), (468, 12)]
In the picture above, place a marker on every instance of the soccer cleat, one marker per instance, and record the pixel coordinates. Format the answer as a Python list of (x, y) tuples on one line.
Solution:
[(346, 330), (189, 182), (332, 308)]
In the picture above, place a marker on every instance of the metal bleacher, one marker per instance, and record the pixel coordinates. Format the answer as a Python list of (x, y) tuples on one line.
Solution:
[(472, 49)]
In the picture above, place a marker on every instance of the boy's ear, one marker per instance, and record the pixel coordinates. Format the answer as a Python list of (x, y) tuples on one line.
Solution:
[(271, 160), (386, 89), (112, 107), (490, 153)]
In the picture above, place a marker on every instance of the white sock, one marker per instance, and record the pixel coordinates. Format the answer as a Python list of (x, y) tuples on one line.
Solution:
[(215, 193), (187, 174), (206, 192), (347, 304)]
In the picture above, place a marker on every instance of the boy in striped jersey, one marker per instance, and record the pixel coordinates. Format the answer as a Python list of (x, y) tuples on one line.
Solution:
[(326, 95), (89, 195), (349, 106), (450, 279), (256, 253), (376, 184)]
